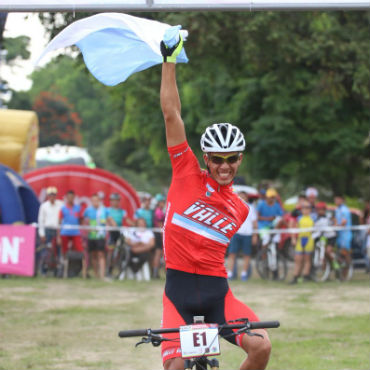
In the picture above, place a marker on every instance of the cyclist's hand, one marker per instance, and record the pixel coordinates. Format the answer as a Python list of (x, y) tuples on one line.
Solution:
[(43, 239), (254, 239), (169, 50), (59, 240)]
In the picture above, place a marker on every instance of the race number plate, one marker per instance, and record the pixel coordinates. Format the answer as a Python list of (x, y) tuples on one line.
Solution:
[(199, 340)]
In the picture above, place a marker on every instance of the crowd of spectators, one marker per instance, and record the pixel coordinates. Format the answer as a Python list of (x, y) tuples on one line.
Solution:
[(92, 233), (62, 223)]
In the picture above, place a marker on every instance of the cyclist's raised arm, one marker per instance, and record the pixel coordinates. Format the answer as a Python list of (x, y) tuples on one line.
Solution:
[(171, 106)]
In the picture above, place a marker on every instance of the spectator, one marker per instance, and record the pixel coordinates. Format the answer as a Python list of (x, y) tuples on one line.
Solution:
[(70, 214), (158, 220), (311, 195), (304, 245), (297, 210), (242, 241), (145, 212), (96, 215), (115, 218), (48, 220), (324, 221), (344, 237), (268, 209), (141, 241)]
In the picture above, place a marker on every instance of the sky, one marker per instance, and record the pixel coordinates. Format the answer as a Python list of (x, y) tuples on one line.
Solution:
[(24, 24)]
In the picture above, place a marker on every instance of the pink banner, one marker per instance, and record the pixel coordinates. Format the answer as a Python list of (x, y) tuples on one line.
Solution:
[(17, 250)]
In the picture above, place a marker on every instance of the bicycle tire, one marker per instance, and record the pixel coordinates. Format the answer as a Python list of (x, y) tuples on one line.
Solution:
[(349, 274), (262, 264), (321, 272), (282, 267)]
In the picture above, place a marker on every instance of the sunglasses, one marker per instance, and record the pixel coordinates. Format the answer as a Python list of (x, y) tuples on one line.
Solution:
[(220, 159)]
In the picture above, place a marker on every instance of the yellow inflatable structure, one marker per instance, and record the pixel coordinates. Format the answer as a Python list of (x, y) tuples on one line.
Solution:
[(19, 139)]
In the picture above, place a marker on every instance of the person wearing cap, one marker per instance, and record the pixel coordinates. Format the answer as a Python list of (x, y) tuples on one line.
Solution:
[(268, 209), (311, 195), (48, 220), (115, 218), (304, 245), (324, 221), (158, 220)]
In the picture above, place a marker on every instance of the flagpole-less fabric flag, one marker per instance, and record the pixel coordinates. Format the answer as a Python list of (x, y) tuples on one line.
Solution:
[(115, 45)]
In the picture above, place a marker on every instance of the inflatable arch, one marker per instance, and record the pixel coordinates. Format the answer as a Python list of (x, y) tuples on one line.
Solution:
[(84, 182), (18, 139)]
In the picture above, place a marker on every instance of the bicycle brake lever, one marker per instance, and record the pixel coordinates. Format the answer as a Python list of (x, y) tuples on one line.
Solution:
[(254, 334), (143, 340)]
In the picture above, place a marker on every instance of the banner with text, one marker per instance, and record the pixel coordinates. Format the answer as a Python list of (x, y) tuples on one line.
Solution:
[(17, 250)]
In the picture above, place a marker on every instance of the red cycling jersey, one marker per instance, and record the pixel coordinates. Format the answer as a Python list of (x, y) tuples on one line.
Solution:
[(201, 217)]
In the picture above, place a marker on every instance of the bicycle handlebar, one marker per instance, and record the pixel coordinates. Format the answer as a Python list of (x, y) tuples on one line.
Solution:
[(251, 325)]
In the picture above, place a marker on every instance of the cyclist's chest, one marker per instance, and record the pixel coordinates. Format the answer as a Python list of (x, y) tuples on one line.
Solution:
[(207, 212)]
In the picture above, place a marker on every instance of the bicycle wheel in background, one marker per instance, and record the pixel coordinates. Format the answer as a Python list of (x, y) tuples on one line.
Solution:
[(321, 270), (345, 271), (282, 267), (262, 264)]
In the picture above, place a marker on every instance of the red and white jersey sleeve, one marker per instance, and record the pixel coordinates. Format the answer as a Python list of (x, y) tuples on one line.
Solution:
[(201, 217)]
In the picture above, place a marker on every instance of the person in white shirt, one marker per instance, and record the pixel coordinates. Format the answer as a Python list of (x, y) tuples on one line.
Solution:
[(48, 220), (243, 240), (141, 242)]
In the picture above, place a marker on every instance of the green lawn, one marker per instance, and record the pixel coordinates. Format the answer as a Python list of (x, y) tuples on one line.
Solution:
[(60, 324)]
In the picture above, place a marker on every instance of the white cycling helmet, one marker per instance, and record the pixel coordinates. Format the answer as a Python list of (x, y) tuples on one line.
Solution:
[(222, 137)]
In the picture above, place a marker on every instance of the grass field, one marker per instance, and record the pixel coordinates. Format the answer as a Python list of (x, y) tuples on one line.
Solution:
[(73, 324)]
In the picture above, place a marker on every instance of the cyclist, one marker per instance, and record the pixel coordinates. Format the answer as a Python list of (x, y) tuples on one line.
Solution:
[(330, 235), (202, 215)]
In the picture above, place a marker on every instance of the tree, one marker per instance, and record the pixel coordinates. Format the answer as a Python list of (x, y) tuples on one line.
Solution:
[(296, 84), (57, 120)]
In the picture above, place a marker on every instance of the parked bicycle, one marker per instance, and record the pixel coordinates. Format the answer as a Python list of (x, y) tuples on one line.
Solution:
[(324, 262), (199, 341), (270, 260)]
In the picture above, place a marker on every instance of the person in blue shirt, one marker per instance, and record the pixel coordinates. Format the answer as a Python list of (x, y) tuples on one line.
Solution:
[(268, 209), (343, 218), (115, 218), (145, 212), (96, 215)]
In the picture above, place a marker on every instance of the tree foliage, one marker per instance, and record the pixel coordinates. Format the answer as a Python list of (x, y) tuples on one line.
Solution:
[(297, 84), (58, 121)]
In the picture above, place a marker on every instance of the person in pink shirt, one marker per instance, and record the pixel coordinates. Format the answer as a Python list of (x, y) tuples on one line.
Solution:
[(158, 220)]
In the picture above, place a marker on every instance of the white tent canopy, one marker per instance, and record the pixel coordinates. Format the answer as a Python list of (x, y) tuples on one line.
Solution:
[(173, 5)]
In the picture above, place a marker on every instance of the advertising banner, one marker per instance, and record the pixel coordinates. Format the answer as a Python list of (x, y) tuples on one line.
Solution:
[(17, 250)]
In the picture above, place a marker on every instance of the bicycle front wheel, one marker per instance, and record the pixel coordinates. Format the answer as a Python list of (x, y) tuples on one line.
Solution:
[(321, 271)]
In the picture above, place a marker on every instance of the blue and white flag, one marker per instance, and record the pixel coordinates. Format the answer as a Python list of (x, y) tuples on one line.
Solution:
[(115, 45)]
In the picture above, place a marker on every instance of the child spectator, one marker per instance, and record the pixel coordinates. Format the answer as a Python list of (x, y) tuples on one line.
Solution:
[(330, 235), (96, 215), (304, 245)]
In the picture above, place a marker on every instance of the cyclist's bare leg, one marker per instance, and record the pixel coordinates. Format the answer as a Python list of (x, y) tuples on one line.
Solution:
[(330, 252), (101, 264), (258, 350), (346, 257), (176, 363), (307, 258)]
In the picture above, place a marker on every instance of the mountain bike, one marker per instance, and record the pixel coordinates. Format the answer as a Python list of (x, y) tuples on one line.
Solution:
[(321, 266), (270, 260), (199, 341)]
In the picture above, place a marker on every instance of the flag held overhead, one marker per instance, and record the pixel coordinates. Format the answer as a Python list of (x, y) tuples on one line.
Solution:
[(115, 46)]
